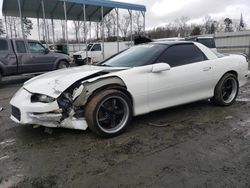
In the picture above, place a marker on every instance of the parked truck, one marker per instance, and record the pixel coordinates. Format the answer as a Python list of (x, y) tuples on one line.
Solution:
[(18, 56), (95, 52)]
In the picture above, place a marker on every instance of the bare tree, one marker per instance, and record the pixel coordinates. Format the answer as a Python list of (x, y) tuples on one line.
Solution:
[(210, 25), (84, 28), (196, 30), (228, 23), (42, 26), (27, 26), (77, 25), (181, 24), (63, 30), (97, 26), (109, 23), (138, 23), (124, 25)]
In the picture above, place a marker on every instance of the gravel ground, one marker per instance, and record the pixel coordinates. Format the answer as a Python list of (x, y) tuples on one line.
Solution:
[(195, 145)]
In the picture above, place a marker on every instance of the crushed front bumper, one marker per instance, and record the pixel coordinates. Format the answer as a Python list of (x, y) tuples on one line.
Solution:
[(44, 114)]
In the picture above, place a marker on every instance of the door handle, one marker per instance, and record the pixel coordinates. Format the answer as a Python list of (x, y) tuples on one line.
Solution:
[(207, 68)]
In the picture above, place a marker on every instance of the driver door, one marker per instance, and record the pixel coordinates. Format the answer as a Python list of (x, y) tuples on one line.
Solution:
[(188, 80), (40, 60)]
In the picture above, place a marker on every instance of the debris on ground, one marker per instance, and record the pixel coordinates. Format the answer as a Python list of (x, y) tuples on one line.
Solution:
[(228, 117), (48, 130), (159, 125), (36, 126)]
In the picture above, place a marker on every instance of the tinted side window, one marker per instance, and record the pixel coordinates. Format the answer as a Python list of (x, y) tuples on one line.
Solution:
[(181, 55), (20, 47), (96, 47), (3, 45)]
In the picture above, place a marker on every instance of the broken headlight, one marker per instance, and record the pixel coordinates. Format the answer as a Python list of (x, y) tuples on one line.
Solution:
[(42, 98)]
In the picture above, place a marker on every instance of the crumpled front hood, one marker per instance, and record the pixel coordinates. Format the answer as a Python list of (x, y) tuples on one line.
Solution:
[(56, 82)]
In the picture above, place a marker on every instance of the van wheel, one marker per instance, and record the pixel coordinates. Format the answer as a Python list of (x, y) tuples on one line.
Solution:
[(226, 90), (62, 65), (109, 113)]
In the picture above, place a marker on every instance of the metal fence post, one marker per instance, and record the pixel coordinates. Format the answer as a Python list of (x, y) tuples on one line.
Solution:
[(66, 22), (90, 36), (53, 30), (131, 26), (6, 27), (103, 56), (85, 33), (117, 28), (45, 24), (38, 28), (21, 18), (144, 22)]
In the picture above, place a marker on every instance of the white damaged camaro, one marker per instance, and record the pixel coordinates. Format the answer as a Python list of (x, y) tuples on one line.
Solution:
[(136, 81)]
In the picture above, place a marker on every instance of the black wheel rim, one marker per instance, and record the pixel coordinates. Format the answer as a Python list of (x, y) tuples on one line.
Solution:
[(112, 114), (229, 90)]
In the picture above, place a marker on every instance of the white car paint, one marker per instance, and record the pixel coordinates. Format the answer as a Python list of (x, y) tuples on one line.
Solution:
[(150, 90)]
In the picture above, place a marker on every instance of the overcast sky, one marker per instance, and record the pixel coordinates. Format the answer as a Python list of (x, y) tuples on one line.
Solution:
[(160, 12)]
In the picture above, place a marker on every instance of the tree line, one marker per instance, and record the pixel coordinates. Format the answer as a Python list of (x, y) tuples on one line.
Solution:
[(180, 27)]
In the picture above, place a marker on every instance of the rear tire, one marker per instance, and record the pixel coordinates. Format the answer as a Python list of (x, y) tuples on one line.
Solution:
[(62, 65), (109, 113), (226, 90)]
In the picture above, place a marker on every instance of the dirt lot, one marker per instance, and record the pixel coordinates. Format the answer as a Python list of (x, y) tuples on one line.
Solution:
[(196, 145)]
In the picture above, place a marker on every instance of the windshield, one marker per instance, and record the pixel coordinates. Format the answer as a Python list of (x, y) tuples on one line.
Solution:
[(89, 47), (136, 56)]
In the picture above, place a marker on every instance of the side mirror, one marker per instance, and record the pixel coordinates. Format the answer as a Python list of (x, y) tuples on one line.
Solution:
[(160, 67), (46, 51)]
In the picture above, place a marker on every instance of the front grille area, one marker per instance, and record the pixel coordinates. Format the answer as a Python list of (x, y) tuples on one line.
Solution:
[(76, 57), (16, 113)]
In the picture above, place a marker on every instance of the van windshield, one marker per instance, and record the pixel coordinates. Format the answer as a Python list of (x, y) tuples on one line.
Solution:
[(89, 47), (136, 56)]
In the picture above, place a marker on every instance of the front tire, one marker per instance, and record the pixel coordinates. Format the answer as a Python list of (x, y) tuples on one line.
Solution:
[(109, 113), (226, 90), (63, 65)]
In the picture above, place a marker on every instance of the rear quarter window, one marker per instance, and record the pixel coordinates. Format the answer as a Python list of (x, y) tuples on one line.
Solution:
[(3, 45)]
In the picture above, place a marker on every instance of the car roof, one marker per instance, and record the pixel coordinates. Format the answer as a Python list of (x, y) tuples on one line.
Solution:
[(171, 43), (200, 37)]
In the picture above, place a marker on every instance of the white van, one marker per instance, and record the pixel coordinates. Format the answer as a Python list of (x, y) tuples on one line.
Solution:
[(95, 52)]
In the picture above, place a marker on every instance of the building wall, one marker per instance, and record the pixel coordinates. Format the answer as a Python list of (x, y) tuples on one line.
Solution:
[(233, 42)]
